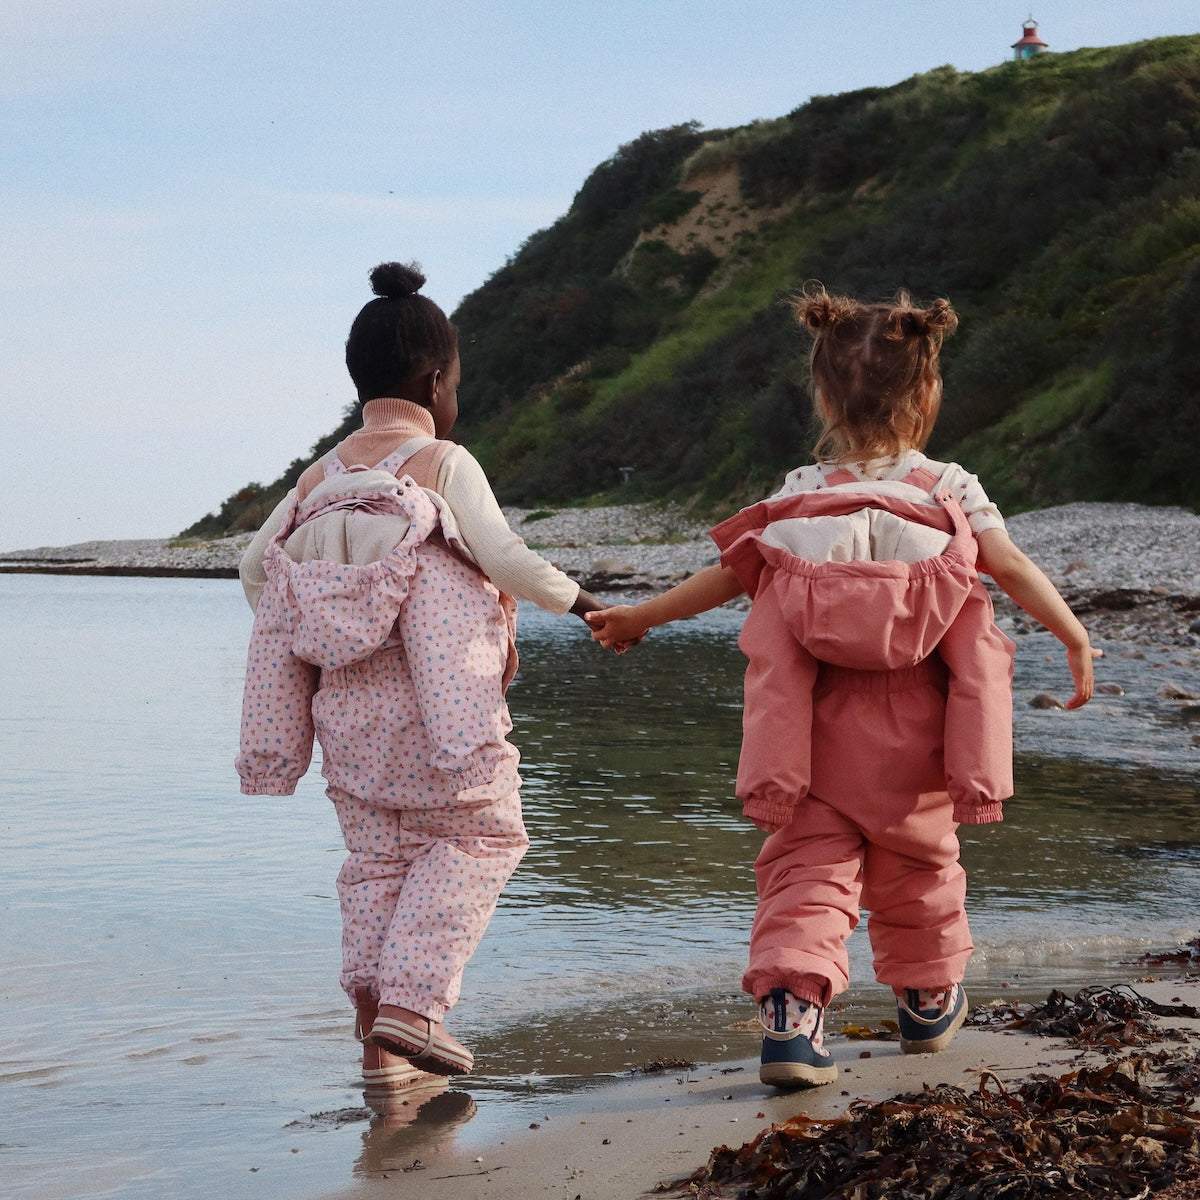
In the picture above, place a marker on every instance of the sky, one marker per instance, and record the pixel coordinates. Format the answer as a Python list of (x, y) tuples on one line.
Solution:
[(193, 191)]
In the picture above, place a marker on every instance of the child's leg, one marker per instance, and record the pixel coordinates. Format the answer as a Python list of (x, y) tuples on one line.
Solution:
[(809, 877), (369, 885), (915, 888), (445, 905), (460, 861)]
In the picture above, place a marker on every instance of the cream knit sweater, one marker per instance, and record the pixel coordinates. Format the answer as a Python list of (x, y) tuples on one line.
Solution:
[(500, 553)]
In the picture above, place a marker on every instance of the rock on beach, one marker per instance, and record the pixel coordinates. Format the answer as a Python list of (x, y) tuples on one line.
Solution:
[(1131, 571), (217, 557)]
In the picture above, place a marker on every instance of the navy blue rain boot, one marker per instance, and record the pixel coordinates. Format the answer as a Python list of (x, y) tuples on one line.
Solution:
[(792, 1055), (929, 1020)]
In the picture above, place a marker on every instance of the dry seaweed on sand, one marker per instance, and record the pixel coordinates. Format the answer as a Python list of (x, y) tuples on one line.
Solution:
[(887, 1031), (1094, 1132), (1096, 1018)]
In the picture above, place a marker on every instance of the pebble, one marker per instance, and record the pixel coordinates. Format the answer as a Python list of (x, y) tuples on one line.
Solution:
[(217, 554), (1111, 546), (1131, 571)]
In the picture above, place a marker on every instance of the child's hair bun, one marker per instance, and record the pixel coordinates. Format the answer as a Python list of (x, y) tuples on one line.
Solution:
[(936, 321), (940, 317), (822, 312), (816, 309), (394, 281)]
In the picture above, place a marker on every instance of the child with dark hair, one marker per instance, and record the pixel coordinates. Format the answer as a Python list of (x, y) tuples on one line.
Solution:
[(384, 588), (878, 703), (402, 355)]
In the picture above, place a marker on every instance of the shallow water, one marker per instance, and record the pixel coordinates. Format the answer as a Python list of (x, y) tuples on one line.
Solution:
[(173, 1025)]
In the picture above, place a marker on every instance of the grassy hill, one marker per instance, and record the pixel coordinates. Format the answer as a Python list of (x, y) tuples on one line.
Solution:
[(1055, 201)]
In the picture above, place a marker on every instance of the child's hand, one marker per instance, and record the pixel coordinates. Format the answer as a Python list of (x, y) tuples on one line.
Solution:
[(1079, 659), (585, 603), (617, 628)]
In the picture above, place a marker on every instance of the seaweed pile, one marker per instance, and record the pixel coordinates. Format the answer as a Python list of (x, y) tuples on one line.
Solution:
[(1096, 1018), (1127, 1128), (1096, 1132)]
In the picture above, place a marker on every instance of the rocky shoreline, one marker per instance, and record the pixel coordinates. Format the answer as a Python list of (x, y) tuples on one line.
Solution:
[(1131, 571)]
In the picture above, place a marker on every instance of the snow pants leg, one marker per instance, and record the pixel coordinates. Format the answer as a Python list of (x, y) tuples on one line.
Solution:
[(426, 788), (877, 830), (417, 891)]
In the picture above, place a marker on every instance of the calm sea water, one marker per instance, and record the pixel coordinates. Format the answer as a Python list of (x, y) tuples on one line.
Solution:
[(168, 966)]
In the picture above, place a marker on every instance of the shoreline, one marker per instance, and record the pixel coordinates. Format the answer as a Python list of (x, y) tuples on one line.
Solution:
[(642, 1136), (1130, 571)]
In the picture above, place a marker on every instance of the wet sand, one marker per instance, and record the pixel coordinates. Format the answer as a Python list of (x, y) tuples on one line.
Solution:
[(631, 1136)]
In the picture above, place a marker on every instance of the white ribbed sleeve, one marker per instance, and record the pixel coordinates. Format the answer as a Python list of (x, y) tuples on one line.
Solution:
[(501, 554)]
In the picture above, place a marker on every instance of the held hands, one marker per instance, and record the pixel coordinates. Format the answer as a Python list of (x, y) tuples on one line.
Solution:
[(585, 603), (586, 606), (625, 625), (617, 628)]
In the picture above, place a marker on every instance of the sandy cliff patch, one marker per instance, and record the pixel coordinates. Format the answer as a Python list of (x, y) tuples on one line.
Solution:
[(717, 219)]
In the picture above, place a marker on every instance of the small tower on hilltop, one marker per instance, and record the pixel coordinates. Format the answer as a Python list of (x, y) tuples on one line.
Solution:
[(1030, 44)]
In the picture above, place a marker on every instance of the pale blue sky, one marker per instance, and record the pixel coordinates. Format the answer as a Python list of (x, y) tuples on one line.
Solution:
[(194, 190)]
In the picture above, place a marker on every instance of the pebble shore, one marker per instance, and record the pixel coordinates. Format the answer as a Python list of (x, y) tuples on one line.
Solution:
[(1131, 571)]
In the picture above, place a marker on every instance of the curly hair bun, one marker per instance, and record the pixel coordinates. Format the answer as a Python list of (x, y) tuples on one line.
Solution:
[(818, 310), (940, 317), (394, 281), (936, 321)]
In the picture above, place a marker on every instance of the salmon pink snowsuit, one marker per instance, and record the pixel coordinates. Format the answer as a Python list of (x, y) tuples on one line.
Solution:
[(877, 716), (399, 667)]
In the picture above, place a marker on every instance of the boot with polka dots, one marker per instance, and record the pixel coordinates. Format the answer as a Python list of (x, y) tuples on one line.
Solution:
[(792, 1052)]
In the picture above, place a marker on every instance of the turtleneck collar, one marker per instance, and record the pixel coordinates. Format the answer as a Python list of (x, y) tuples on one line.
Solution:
[(390, 412)]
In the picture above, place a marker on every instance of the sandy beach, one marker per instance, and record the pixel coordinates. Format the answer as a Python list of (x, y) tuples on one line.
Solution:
[(636, 1137)]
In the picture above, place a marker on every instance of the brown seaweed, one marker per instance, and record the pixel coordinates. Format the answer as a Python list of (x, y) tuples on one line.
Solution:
[(1181, 956), (1094, 1132), (1126, 1128), (1095, 1018)]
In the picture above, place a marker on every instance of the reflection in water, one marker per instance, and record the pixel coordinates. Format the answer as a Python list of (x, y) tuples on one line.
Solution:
[(409, 1124), (628, 765)]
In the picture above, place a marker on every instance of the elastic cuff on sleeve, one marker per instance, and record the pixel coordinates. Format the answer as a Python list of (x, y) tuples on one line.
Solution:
[(977, 812), (768, 815), (267, 787)]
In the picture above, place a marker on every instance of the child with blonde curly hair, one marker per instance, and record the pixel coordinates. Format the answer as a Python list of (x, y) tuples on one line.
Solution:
[(878, 693)]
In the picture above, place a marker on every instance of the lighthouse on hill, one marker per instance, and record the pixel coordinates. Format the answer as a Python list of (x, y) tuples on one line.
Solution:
[(1030, 44)]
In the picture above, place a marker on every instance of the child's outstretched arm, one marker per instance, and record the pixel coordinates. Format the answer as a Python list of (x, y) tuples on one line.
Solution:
[(1027, 585), (616, 628)]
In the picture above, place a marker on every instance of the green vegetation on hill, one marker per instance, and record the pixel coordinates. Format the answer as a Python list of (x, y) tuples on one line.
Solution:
[(1055, 201)]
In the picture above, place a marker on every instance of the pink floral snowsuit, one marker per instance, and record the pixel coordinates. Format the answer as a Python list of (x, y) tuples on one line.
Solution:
[(878, 715), (399, 668)]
